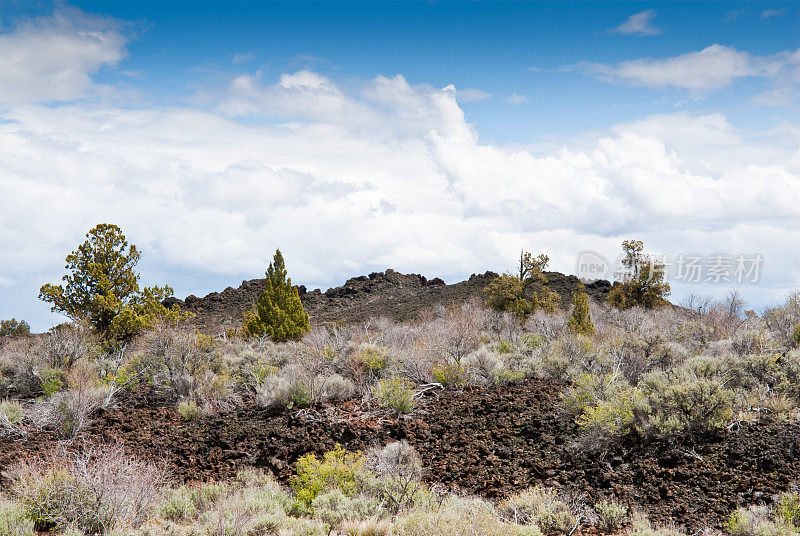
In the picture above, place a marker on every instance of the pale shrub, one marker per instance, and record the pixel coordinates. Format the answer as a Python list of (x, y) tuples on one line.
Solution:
[(370, 527), (540, 507), (396, 394), (13, 521), (334, 507), (97, 489), (70, 412), (10, 411), (756, 521), (399, 469), (641, 526), (459, 517), (611, 515)]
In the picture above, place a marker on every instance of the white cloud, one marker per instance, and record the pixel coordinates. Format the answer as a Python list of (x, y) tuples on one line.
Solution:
[(242, 57), (770, 13), (638, 24), (375, 174), (714, 67), (389, 175), (52, 58), (471, 95), (516, 99)]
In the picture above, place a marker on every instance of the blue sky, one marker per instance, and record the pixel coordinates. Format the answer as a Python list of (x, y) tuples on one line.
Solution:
[(437, 137)]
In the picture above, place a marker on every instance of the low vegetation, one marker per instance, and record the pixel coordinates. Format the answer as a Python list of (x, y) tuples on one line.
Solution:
[(100, 490), (632, 367)]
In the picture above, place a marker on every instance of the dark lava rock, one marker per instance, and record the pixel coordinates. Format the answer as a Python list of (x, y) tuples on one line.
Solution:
[(491, 442), (380, 294)]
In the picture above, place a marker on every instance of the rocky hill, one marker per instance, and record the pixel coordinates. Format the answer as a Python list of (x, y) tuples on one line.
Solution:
[(388, 294)]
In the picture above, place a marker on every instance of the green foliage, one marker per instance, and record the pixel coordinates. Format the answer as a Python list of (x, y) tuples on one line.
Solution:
[(581, 322), (644, 282), (459, 517), (52, 381), (373, 358), (684, 402), (611, 516), (396, 394), (614, 415), (337, 470), (453, 375), (541, 507), (524, 292), (13, 521), (279, 313), (757, 521), (605, 405), (12, 328), (188, 410), (102, 287), (11, 410), (187, 503), (333, 507), (796, 336), (55, 499), (787, 509)]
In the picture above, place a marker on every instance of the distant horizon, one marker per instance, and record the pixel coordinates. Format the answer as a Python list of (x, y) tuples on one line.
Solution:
[(429, 137)]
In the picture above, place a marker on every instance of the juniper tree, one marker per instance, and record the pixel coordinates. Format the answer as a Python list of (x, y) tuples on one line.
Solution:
[(102, 287), (523, 292), (581, 321), (278, 313), (643, 284)]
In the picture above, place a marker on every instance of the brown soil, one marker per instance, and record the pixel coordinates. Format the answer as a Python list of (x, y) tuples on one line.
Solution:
[(389, 294), (486, 441)]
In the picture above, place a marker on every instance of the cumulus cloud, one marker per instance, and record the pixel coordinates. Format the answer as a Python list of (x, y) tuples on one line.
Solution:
[(348, 179), (52, 58), (638, 24), (388, 175), (714, 67)]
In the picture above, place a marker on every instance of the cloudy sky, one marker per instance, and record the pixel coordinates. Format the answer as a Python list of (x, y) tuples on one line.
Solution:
[(433, 137)]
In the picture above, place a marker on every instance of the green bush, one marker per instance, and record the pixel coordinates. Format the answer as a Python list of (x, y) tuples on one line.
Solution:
[(459, 517), (373, 358), (604, 404), (396, 394), (581, 321), (11, 410), (189, 410), (281, 392), (756, 521), (52, 381), (55, 498), (453, 375), (333, 507), (787, 509), (337, 470), (685, 403), (13, 521), (187, 503), (542, 508), (611, 516)]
